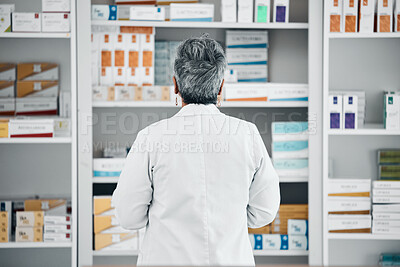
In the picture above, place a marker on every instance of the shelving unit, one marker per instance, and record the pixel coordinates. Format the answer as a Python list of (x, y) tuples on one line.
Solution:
[(352, 153), (44, 167)]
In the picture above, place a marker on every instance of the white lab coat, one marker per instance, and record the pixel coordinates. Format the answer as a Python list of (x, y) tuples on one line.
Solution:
[(197, 181)]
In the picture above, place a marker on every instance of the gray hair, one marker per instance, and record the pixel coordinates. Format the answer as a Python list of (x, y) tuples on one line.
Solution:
[(199, 70)]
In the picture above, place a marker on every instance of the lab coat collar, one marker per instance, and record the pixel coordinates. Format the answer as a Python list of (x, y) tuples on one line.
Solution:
[(198, 109)]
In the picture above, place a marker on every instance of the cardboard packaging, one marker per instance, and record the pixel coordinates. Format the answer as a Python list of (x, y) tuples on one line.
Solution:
[(336, 111), (111, 167), (291, 167), (147, 13), (349, 223), (108, 224), (251, 73), (246, 39), (386, 199), (29, 234), (3, 128), (386, 230), (297, 227), (245, 11), (7, 72), (350, 15), (65, 104), (4, 235), (385, 15), (335, 8), (396, 17), (119, 76), (192, 12), (56, 6), (7, 8), (57, 237), (290, 149), (36, 106), (349, 187), (281, 11), (56, 22), (102, 205), (57, 229), (156, 93), (37, 72), (262, 10), (5, 22), (104, 12), (30, 218), (247, 56), (123, 12), (26, 22), (106, 76), (230, 76), (385, 223), (350, 112), (19, 128), (7, 106), (57, 219), (386, 208), (229, 10), (103, 93), (349, 205), (7, 89), (259, 231), (133, 77), (124, 241), (5, 221), (367, 15), (382, 216), (386, 192), (147, 75), (37, 89), (49, 206), (391, 112), (298, 242), (286, 131), (386, 184)]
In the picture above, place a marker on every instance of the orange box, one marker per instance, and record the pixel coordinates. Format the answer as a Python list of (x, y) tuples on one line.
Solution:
[(37, 88), (49, 206), (37, 72)]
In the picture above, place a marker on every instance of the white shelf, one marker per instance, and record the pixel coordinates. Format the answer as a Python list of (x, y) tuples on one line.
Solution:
[(36, 140), (36, 245), (356, 236), (255, 252), (368, 129), (208, 25), (342, 35), (233, 104), (34, 35)]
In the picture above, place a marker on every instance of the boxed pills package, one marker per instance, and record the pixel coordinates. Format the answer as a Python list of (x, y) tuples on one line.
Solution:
[(349, 205), (57, 229), (28, 234), (349, 223), (104, 12), (250, 73), (37, 72), (384, 15), (26, 22), (262, 10), (350, 112), (291, 167), (289, 130), (31, 128), (49, 206), (102, 205), (349, 187), (335, 11), (7, 72), (103, 93), (7, 106), (335, 111), (290, 149), (367, 15), (57, 237), (192, 12), (56, 5), (57, 219), (7, 8), (245, 11), (147, 13), (228, 10), (29, 218), (350, 15), (111, 167), (281, 11), (37, 89), (5, 22), (7, 89), (246, 39), (56, 22)]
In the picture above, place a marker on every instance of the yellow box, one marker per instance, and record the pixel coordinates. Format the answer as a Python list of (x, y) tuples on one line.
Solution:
[(30, 218), (37, 88), (127, 241), (3, 128), (29, 234), (4, 235), (260, 231), (3, 218), (102, 205), (50, 206), (37, 71)]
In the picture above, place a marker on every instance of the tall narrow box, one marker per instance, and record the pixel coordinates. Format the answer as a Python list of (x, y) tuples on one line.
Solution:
[(228, 10), (245, 11), (350, 112), (335, 10), (391, 112), (366, 16), (335, 111), (281, 11), (262, 11), (385, 15), (396, 17), (350, 10)]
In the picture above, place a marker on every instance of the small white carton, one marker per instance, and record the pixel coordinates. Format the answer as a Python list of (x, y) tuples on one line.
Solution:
[(56, 22), (335, 12), (350, 15), (147, 13), (26, 22), (228, 10), (281, 11), (367, 15), (56, 5), (350, 112), (245, 11), (385, 15)]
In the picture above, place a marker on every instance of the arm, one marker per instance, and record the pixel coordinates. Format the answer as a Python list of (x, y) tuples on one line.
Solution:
[(134, 191), (264, 195)]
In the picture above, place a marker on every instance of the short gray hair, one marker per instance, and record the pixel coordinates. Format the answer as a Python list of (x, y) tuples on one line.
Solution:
[(199, 69)]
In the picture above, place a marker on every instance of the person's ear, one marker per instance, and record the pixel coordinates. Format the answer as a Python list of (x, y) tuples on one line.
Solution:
[(176, 89), (222, 85)]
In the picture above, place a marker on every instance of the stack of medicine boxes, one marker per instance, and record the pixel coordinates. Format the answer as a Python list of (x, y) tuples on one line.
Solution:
[(247, 54), (349, 205), (7, 90), (290, 149), (5, 221), (347, 109), (108, 235)]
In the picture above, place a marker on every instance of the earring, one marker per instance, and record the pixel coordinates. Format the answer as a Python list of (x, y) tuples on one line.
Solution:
[(219, 102), (176, 101)]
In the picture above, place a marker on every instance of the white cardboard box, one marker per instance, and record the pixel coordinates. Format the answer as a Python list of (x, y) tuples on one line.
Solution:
[(350, 15), (192, 12), (57, 228), (345, 204), (350, 112), (245, 11), (247, 56), (26, 22), (5, 22), (36, 106), (385, 15), (386, 208), (262, 11), (348, 222), (348, 186), (335, 12), (147, 13), (335, 111), (111, 167), (246, 39), (297, 227), (31, 128), (56, 237), (104, 12), (289, 130), (290, 149), (392, 111), (281, 11), (7, 8), (228, 10), (386, 184), (7, 89), (298, 242), (56, 22), (367, 14), (250, 73), (396, 14), (56, 6), (291, 167), (7, 106), (57, 219)]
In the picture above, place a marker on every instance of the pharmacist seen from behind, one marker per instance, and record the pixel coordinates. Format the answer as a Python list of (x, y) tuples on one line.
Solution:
[(197, 180)]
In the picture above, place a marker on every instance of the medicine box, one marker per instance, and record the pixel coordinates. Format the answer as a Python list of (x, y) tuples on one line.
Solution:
[(391, 107), (384, 15), (350, 15), (37, 89), (386, 208), (103, 93), (246, 39), (229, 10), (156, 93), (29, 218), (106, 76), (107, 224), (104, 12), (28, 234), (49, 206), (147, 13), (7, 72), (262, 230), (349, 187), (396, 17), (7, 89), (245, 11), (290, 149), (102, 205), (192, 12), (230, 76), (123, 12), (56, 5), (298, 242), (262, 10), (55, 228), (335, 12), (297, 227), (386, 192), (335, 111), (350, 112), (147, 75), (56, 22), (7, 106), (291, 167), (383, 216), (111, 242), (256, 241), (57, 237), (108, 167), (133, 77), (247, 56), (251, 73), (3, 127), (7, 8), (275, 242), (26, 22), (289, 130), (5, 22), (57, 219), (281, 11), (346, 205), (386, 184), (31, 128), (36, 106), (385, 199), (349, 223), (367, 15), (37, 72)]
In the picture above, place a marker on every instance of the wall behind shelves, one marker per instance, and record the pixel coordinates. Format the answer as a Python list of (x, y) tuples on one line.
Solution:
[(39, 257)]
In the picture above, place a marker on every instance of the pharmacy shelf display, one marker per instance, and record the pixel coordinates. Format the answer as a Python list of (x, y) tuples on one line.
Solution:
[(45, 154), (350, 155)]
